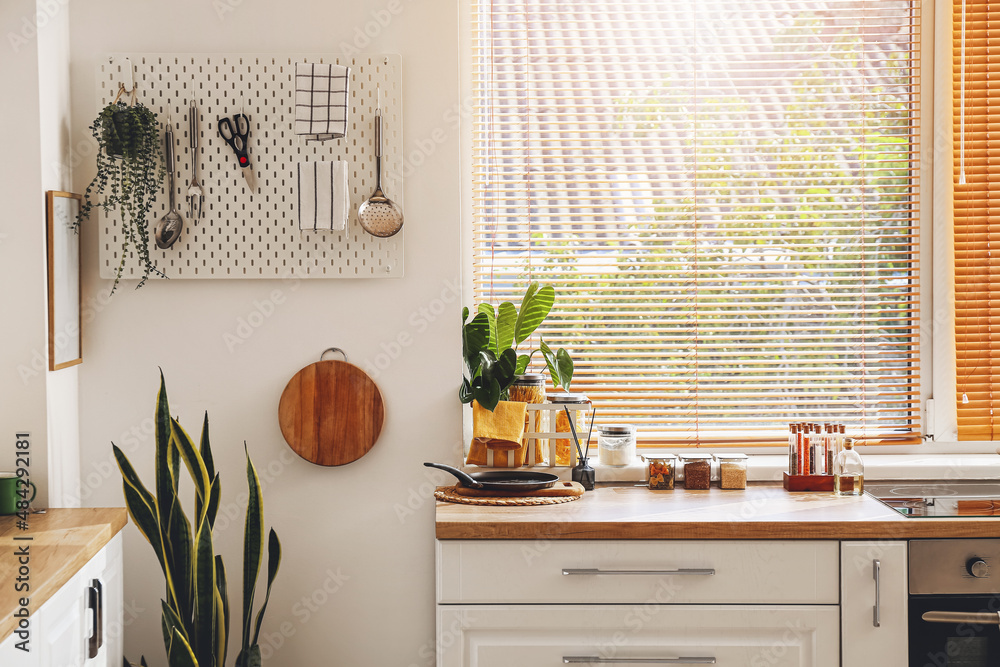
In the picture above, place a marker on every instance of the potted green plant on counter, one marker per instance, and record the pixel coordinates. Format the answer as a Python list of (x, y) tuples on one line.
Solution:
[(195, 612), (130, 169), (490, 343)]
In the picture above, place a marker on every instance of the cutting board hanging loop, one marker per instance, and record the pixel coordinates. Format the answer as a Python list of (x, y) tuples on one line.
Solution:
[(335, 350)]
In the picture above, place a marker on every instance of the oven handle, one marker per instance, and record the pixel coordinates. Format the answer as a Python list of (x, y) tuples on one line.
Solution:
[(955, 617)]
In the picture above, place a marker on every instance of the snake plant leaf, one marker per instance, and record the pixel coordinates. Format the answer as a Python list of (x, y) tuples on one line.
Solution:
[(273, 562), (142, 661), (506, 322), (253, 546), (170, 621), (192, 459), (214, 497), (249, 658), (535, 307), (205, 449), (222, 610), (144, 519), (166, 479), (180, 654), (179, 560), (491, 318), (204, 596)]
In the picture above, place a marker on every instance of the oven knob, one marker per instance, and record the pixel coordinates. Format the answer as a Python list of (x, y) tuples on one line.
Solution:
[(978, 568)]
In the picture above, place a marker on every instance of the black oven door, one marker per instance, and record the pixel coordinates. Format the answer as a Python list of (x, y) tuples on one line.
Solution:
[(954, 631)]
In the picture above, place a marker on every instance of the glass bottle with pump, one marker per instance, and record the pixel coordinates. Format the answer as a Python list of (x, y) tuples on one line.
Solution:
[(849, 471)]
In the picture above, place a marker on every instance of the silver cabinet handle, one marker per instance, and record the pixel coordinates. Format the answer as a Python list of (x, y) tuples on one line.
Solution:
[(701, 572), (99, 631), (92, 606), (596, 660), (877, 610), (956, 617)]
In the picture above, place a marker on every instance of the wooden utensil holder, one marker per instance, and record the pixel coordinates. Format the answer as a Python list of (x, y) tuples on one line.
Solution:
[(796, 483)]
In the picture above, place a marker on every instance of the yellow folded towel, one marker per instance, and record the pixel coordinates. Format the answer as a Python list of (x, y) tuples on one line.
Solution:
[(499, 431)]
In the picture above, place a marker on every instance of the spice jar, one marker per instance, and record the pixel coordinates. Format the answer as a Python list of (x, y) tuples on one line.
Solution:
[(661, 471), (732, 471), (616, 444), (697, 471), (578, 407), (530, 388)]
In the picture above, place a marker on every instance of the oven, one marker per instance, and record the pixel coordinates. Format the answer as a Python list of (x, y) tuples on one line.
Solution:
[(954, 603)]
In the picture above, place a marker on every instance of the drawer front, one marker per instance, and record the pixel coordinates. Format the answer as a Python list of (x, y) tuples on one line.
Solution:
[(658, 572), (548, 635)]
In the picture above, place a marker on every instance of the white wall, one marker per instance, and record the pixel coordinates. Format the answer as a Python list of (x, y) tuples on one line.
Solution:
[(62, 386), (22, 243), (354, 521)]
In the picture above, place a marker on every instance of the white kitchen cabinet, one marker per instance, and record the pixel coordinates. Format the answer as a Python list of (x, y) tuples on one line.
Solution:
[(80, 624), (873, 605), (724, 635)]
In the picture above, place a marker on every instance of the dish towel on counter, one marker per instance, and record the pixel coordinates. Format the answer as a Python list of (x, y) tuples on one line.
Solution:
[(323, 196), (321, 100)]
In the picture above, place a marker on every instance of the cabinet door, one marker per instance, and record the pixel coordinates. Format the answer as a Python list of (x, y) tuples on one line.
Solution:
[(107, 571), (13, 657), (726, 636), (873, 603), (62, 626)]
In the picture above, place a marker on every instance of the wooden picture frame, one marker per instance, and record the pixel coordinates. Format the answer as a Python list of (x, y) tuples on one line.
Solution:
[(63, 243)]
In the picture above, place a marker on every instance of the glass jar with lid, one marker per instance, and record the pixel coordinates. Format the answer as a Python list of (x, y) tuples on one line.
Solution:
[(616, 444), (697, 470), (732, 471), (661, 471), (579, 406), (530, 388)]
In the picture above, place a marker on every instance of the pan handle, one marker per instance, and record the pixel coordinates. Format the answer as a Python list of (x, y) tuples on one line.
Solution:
[(464, 478)]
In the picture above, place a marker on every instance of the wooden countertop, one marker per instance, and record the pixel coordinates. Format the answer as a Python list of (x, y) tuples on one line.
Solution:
[(63, 540), (762, 511)]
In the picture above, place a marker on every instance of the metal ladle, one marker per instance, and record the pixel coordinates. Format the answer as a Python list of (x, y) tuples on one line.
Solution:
[(379, 215), (170, 226)]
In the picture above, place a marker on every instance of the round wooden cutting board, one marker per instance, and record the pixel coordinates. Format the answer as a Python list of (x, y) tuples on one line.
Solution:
[(331, 413)]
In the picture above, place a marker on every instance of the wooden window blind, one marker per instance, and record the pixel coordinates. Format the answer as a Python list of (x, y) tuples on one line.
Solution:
[(725, 197), (976, 216)]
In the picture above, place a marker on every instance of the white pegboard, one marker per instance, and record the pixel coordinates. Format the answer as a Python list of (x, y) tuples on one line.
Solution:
[(244, 235)]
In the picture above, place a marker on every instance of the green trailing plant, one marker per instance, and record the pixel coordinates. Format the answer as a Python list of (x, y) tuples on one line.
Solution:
[(489, 347), (130, 169), (195, 612)]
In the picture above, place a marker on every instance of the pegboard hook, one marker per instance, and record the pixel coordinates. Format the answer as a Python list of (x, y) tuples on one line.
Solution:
[(123, 87)]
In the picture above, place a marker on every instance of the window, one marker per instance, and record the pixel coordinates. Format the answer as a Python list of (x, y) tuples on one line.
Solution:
[(725, 197), (977, 218)]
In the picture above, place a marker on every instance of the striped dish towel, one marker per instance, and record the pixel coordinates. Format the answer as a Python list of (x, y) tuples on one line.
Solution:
[(323, 196), (321, 100)]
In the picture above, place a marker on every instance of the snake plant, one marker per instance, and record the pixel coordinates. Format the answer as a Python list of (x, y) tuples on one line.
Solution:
[(196, 618)]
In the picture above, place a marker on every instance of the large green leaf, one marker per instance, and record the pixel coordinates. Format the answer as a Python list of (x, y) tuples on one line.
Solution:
[(522, 363), (506, 323), (535, 307), (180, 653), (486, 392), (204, 596), (253, 545), (475, 339), (491, 318), (505, 369), (273, 562), (560, 365), (465, 391)]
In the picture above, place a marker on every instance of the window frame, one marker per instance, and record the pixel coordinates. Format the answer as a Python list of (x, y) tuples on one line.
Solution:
[(936, 341)]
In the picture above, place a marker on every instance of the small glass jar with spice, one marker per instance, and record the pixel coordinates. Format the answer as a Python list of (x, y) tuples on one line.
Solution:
[(661, 471), (530, 388), (697, 471), (732, 471), (616, 444), (579, 406)]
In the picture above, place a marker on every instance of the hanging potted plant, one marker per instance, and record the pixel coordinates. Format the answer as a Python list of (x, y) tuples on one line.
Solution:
[(130, 169), (492, 364)]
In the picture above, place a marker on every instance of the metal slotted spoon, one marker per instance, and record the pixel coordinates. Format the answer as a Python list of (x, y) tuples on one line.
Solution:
[(379, 215)]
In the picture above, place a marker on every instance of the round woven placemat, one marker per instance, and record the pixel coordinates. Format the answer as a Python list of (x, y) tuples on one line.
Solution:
[(448, 495)]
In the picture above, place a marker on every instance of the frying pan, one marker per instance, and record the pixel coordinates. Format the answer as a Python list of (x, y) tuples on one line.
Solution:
[(516, 480)]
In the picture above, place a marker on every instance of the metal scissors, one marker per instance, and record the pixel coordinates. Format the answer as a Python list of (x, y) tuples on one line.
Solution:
[(236, 132)]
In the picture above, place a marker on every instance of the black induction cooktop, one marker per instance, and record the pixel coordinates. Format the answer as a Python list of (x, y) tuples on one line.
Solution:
[(939, 499)]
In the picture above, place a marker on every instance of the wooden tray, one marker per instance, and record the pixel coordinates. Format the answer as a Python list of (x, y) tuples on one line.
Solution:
[(808, 482), (559, 490)]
